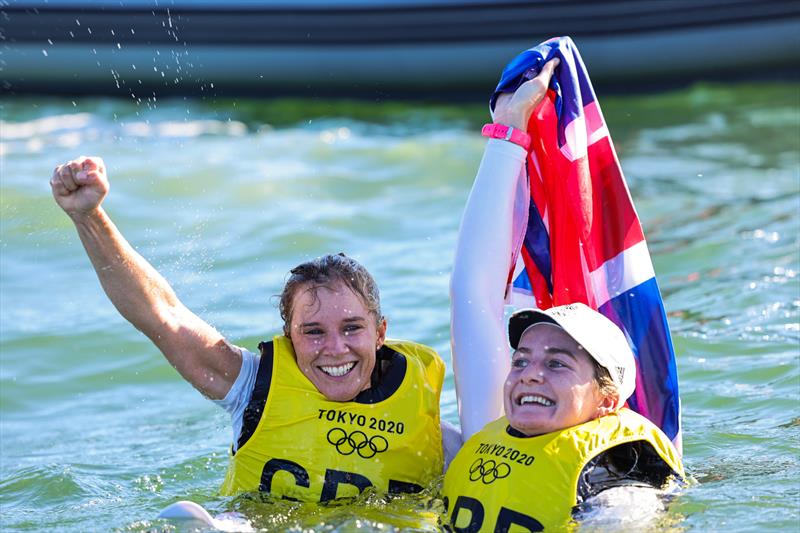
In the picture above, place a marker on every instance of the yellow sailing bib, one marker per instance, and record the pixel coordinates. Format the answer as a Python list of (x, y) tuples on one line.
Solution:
[(306, 447), (498, 482)]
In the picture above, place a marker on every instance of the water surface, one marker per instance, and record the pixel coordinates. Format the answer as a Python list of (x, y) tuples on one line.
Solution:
[(98, 432)]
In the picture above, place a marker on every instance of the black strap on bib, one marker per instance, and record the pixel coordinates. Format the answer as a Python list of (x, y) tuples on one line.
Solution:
[(258, 399), (388, 374)]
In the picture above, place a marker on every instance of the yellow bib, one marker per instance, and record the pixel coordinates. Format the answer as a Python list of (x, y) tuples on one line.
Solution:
[(498, 482), (306, 447)]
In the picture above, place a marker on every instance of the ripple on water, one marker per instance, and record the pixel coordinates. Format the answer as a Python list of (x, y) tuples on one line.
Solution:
[(368, 512), (56, 487), (723, 487)]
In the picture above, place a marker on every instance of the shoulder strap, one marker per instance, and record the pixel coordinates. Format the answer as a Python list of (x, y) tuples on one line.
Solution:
[(387, 376), (258, 399)]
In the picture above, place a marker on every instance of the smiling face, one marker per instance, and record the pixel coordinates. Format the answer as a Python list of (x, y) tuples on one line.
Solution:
[(335, 339), (551, 385)]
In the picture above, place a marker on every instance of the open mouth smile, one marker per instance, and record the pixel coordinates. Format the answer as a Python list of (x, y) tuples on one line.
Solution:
[(536, 399), (338, 371)]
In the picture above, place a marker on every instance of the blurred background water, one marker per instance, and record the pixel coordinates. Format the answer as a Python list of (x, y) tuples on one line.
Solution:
[(98, 432)]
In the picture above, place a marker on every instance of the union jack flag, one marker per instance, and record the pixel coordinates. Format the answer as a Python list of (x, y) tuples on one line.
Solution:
[(579, 239)]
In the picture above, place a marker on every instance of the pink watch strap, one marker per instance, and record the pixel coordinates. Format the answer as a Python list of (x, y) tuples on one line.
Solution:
[(507, 133)]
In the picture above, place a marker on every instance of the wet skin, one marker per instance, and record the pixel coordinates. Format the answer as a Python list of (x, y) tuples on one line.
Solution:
[(551, 385), (335, 338)]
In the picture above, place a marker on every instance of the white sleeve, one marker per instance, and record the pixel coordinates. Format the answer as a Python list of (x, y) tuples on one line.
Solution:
[(238, 397), (451, 442), (484, 251)]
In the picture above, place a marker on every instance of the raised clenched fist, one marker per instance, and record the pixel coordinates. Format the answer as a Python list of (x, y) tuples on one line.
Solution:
[(80, 185)]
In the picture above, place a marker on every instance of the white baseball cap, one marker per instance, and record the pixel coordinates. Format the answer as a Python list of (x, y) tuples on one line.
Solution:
[(598, 336)]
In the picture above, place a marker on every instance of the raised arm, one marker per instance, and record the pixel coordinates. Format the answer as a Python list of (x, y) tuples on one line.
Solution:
[(483, 258), (480, 351), (142, 296)]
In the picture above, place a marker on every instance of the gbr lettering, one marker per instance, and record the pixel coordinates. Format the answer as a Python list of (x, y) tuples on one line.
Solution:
[(468, 516), (333, 478)]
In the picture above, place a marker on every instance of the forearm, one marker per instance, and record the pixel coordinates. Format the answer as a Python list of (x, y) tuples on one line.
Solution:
[(143, 297), (482, 262), (135, 288)]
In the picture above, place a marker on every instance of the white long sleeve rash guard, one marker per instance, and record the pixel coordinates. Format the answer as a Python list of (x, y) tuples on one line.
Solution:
[(485, 249)]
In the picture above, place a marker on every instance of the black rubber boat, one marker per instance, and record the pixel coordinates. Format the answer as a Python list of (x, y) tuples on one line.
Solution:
[(351, 47)]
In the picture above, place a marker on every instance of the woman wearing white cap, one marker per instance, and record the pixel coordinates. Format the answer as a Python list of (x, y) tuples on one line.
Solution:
[(565, 436)]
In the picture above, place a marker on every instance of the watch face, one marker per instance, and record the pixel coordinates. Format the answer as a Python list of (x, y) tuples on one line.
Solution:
[(501, 131)]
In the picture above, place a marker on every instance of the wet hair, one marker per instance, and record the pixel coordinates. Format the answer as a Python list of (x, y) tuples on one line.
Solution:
[(327, 271), (603, 379)]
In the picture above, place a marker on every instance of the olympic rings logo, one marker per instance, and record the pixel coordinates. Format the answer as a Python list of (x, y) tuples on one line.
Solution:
[(357, 441), (488, 471)]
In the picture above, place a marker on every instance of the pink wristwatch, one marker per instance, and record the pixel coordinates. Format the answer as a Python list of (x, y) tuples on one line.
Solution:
[(507, 133)]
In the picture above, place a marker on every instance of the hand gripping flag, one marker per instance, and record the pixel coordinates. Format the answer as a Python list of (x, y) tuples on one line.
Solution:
[(579, 239)]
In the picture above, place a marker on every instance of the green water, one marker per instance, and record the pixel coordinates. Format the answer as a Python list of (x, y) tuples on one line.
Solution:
[(98, 432)]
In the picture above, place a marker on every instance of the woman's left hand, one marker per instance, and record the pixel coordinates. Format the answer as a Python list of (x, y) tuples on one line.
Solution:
[(514, 109)]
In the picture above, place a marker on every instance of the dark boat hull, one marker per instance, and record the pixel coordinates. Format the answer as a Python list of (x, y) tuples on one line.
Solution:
[(352, 47)]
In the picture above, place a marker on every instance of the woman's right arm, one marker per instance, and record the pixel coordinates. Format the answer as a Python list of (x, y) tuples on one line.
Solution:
[(142, 296), (483, 260)]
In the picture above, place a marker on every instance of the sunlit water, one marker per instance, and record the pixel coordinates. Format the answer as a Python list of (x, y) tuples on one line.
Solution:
[(98, 432)]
